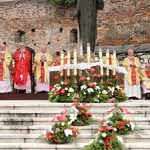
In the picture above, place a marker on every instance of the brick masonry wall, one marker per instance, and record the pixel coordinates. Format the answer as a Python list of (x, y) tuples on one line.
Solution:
[(122, 22)]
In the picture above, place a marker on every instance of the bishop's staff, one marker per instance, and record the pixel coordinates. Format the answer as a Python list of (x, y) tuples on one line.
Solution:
[(62, 63), (68, 64)]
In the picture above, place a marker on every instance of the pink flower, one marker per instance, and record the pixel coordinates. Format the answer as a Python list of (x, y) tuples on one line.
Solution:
[(75, 104), (91, 84), (111, 100), (62, 91), (83, 78), (92, 69), (65, 83)]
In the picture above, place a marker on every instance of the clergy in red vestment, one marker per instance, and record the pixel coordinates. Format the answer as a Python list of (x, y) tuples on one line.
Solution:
[(21, 74)]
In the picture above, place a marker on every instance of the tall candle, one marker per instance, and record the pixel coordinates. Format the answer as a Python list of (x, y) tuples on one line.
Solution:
[(101, 62), (107, 62), (75, 62), (68, 63), (62, 63), (88, 55), (114, 62)]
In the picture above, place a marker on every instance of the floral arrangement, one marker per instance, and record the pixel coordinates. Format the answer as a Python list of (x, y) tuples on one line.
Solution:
[(90, 89), (60, 132), (79, 114), (118, 121), (115, 88), (63, 91), (106, 139)]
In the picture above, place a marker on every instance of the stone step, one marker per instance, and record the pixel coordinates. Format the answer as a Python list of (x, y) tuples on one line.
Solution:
[(46, 105), (47, 121), (70, 146), (52, 113), (38, 129), (82, 138)]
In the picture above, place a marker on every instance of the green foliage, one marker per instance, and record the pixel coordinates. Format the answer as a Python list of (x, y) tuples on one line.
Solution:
[(62, 2)]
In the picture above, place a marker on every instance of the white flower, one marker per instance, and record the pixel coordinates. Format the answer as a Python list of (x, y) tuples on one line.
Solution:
[(68, 94), (62, 123), (115, 129), (62, 83), (46, 130), (57, 86), (104, 92), (68, 132), (84, 93), (120, 139), (83, 87), (111, 90), (97, 88), (88, 78), (66, 88), (73, 117), (132, 125), (90, 90), (71, 89), (104, 135), (95, 83), (118, 87)]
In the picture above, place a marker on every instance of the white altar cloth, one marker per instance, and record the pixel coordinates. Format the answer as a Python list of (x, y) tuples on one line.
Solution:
[(83, 66)]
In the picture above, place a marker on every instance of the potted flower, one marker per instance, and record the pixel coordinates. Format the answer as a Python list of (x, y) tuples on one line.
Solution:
[(63, 91), (79, 114), (60, 132), (106, 139)]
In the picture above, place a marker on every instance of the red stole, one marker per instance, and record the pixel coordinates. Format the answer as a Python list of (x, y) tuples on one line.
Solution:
[(42, 70), (133, 72), (1, 66)]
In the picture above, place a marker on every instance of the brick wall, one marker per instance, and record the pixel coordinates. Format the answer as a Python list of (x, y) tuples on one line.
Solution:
[(122, 22)]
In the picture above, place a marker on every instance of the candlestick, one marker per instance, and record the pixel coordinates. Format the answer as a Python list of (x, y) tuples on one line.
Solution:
[(107, 62), (62, 63), (101, 62), (75, 61), (68, 63), (114, 62), (88, 55)]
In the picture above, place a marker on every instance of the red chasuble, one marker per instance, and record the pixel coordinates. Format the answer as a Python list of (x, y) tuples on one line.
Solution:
[(1, 66), (22, 67)]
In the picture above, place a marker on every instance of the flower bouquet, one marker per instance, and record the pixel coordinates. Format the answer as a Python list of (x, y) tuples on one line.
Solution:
[(106, 139), (63, 91), (79, 114), (115, 88), (118, 121), (60, 132), (89, 89)]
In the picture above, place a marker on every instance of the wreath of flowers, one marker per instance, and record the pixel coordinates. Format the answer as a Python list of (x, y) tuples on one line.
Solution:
[(60, 132)]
